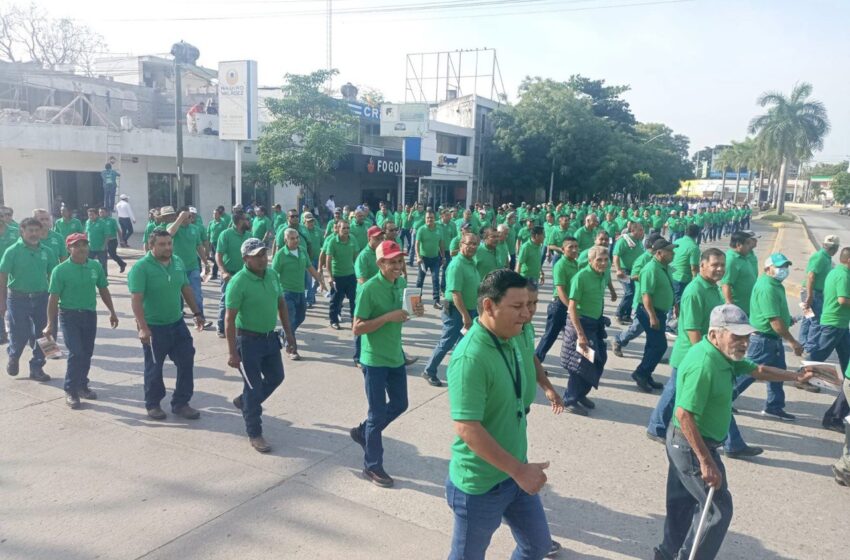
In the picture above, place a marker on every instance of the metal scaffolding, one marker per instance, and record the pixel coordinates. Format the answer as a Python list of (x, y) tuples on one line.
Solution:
[(435, 77)]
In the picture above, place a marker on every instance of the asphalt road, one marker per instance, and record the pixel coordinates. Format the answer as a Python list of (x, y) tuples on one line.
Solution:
[(823, 222)]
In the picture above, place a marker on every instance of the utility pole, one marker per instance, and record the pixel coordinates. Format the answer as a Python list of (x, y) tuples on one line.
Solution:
[(183, 53), (329, 45)]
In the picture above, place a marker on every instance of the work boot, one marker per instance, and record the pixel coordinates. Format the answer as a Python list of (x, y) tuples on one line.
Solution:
[(156, 413), (88, 394), (37, 374), (13, 367), (72, 400), (260, 444), (187, 412)]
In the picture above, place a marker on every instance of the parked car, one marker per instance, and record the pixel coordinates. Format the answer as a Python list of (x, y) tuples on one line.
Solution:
[(845, 210)]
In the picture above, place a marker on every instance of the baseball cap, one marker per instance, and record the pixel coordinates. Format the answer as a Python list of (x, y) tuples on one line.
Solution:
[(193, 210), (388, 250), (373, 231), (776, 259), (166, 211), (308, 217), (662, 244), (74, 237), (750, 233), (124, 197), (252, 246), (831, 241), (732, 318)]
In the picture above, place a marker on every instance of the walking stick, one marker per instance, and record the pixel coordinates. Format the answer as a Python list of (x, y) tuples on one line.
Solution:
[(701, 526)]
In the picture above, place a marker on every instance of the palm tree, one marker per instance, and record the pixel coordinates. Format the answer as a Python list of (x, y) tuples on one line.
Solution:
[(791, 130), (724, 160)]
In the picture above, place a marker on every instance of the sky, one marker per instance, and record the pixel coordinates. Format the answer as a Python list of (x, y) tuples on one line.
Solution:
[(696, 65)]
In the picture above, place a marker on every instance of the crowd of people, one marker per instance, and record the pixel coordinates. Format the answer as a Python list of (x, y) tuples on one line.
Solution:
[(726, 310)]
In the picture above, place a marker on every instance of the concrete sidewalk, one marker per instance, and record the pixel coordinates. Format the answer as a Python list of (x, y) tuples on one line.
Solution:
[(106, 482)]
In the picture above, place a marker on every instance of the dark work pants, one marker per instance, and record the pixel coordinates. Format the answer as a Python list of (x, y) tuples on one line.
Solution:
[(263, 367), (386, 394), (656, 343), (27, 319), (79, 328), (112, 249), (443, 272), (624, 308), (126, 229), (432, 265), (102, 257), (556, 318), (175, 342), (827, 339), (346, 287)]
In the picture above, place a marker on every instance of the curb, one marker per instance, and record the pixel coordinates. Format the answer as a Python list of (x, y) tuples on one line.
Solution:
[(809, 234)]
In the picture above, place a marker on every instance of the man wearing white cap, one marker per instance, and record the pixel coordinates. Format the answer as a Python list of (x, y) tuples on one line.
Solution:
[(126, 219), (703, 411), (811, 295)]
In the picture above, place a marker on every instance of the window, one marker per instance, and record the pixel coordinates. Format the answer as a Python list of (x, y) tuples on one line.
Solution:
[(162, 190), (449, 144)]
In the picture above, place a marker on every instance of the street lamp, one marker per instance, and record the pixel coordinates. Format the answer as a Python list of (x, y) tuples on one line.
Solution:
[(183, 53)]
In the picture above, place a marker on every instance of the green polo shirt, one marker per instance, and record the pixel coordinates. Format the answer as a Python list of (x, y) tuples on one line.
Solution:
[(502, 254), (214, 231), (836, 285), (8, 238), (229, 246), (628, 255), (767, 302), (637, 267), (313, 237), (704, 383), (611, 228), (462, 276), (161, 286), (698, 299), (261, 226), (585, 237), (820, 263), (186, 243), (685, 255), (557, 235), (255, 299), (28, 267), (360, 233), (486, 260), (417, 220), (96, 233), (511, 239), (562, 274), (56, 243), (448, 232), (110, 227), (428, 241), (366, 265), (657, 222), (529, 260), (588, 291), (77, 284), (382, 347), (66, 227), (280, 238), (290, 269), (524, 343), (655, 280), (741, 277), (481, 389), (343, 253), (149, 227)]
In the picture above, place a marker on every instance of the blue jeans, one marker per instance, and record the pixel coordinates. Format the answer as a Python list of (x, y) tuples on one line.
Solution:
[(556, 318), (175, 342), (102, 257), (404, 235), (79, 328), (411, 251), (624, 309), (443, 272), (386, 395), (432, 265), (634, 331), (478, 516), (109, 197), (686, 497), (312, 285), (263, 367), (768, 351), (27, 318), (809, 327), (194, 277), (452, 325), (663, 412), (296, 307), (678, 290), (220, 326), (830, 338), (656, 343), (346, 287)]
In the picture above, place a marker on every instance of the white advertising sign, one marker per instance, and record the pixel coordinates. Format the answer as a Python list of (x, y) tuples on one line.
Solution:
[(409, 119), (237, 100)]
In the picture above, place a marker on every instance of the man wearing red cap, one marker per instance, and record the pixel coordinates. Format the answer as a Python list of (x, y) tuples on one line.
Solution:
[(72, 298), (365, 267), (378, 318)]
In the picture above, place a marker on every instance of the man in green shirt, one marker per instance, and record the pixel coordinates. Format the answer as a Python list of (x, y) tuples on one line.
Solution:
[(359, 228), (737, 284), (112, 231), (586, 234), (686, 259), (378, 318), (214, 230), (24, 275), (449, 232), (462, 281), (486, 257), (291, 263), (73, 285), (95, 230), (699, 298), (656, 291), (365, 267), (189, 247), (430, 255), (557, 236), (49, 237), (703, 414), (228, 256), (341, 253), (556, 314), (528, 263), (312, 234), (254, 305), (262, 227), (490, 478), (156, 283), (67, 224), (8, 237), (627, 249), (811, 295)]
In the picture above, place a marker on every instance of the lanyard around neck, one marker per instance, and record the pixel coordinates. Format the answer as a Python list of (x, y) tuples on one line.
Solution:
[(515, 374)]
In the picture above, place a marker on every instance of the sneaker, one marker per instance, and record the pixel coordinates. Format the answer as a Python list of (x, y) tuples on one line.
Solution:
[(122, 267), (574, 408), (378, 477), (335, 326), (39, 375), (220, 334), (553, 550), (587, 403), (779, 415), (294, 356), (432, 380), (156, 413), (841, 477), (656, 438), (259, 443), (237, 401), (88, 394), (13, 367), (357, 435), (806, 386), (408, 361), (72, 400), (745, 453), (655, 384), (618, 348), (208, 325), (438, 305), (187, 412)]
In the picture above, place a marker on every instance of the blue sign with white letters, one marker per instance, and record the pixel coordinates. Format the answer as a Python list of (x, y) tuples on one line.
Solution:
[(364, 111)]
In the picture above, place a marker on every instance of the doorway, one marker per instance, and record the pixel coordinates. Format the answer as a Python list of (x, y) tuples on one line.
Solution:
[(80, 190)]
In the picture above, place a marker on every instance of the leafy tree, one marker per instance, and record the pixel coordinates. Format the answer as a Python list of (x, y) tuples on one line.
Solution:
[(841, 187), (826, 169), (791, 130), (310, 133), (605, 100)]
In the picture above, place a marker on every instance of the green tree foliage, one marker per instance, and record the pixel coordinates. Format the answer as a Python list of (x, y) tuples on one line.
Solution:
[(310, 132), (841, 187), (585, 139), (827, 169)]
